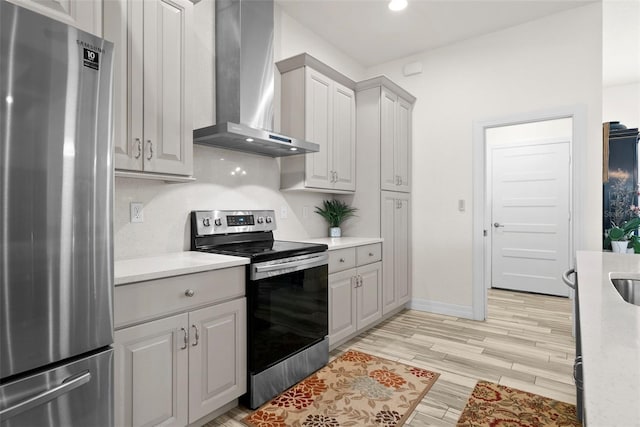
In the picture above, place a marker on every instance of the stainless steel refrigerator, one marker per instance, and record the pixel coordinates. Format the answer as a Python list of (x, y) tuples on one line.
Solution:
[(56, 250)]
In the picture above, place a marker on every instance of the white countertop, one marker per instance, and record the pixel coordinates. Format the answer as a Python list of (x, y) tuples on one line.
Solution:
[(610, 332), (172, 264), (344, 242)]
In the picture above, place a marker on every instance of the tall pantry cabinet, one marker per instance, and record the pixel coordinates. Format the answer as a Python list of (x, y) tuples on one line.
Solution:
[(384, 112)]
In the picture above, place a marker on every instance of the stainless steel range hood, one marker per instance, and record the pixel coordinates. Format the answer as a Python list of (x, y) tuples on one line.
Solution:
[(245, 83)]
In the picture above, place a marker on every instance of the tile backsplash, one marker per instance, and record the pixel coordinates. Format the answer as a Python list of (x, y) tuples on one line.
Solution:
[(224, 180)]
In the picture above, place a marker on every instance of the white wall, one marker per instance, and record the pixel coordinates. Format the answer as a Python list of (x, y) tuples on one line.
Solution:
[(545, 64), (292, 38), (167, 206), (621, 103)]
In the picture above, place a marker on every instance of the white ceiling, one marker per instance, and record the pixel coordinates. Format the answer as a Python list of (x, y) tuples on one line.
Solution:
[(368, 32)]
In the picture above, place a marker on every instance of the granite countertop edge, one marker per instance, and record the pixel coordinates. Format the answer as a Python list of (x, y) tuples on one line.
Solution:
[(335, 243), (134, 270), (610, 337)]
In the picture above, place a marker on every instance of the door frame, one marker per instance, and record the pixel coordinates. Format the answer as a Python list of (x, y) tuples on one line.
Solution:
[(480, 245)]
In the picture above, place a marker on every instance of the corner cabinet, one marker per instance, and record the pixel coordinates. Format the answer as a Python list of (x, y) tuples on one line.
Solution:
[(355, 290), (396, 253), (153, 129), (318, 105), (189, 360), (83, 14)]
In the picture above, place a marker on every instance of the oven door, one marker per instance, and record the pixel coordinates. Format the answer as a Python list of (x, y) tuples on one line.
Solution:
[(287, 308)]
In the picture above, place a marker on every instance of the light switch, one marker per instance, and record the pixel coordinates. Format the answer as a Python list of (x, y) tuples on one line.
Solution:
[(461, 205)]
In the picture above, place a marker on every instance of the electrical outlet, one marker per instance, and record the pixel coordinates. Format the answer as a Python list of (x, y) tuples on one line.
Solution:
[(305, 212), (137, 212), (284, 212)]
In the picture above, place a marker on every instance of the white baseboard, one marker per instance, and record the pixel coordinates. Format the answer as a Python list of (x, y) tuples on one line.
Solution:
[(464, 311)]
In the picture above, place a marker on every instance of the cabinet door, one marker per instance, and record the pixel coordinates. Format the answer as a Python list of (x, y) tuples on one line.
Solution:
[(402, 148), (344, 137), (83, 14), (217, 356), (318, 125), (369, 294), (342, 305), (123, 26), (151, 368), (388, 132), (168, 127), (402, 249), (388, 209)]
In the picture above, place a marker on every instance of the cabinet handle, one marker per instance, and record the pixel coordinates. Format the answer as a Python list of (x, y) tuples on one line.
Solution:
[(150, 149), (341, 259), (189, 292), (186, 339), (360, 280), (197, 336), (139, 144), (370, 253), (336, 177)]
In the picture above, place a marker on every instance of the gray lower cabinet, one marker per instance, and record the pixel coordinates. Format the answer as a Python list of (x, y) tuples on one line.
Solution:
[(355, 293), (178, 369), (396, 232)]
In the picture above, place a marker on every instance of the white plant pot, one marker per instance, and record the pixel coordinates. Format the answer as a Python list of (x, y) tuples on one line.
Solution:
[(619, 247), (335, 232)]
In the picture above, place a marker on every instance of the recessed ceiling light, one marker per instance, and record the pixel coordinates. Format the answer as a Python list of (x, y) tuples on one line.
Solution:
[(249, 139), (293, 149), (397, 5)]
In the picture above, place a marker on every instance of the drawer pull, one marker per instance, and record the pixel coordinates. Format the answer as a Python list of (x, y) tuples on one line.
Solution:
[(189, 292), (370, 253), (341, 259)]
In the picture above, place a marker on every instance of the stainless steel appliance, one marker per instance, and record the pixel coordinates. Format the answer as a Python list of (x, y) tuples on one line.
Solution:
[(577, 363), (245, 83), (56, 255), (287, 297)]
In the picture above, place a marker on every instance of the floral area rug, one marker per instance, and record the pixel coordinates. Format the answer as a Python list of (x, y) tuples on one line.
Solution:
[(494, 405), (355, 389)]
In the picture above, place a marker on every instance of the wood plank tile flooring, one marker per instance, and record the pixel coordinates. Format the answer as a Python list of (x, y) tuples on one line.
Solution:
[(525, 343)]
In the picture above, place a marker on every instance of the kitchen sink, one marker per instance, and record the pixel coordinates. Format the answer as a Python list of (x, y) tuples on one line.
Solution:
[(629, 289)]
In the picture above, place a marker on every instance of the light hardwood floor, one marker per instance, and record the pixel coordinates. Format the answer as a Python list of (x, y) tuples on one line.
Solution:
[(525, 343)]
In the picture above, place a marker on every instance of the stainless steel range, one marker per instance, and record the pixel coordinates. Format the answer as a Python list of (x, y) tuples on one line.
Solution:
[(287, 297)]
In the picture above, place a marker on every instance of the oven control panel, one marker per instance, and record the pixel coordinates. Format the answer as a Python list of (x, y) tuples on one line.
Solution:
[(225, 222)]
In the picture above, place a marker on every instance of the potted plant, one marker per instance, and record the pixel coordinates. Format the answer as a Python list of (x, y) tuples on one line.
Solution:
[(620, 235), (335, 212)]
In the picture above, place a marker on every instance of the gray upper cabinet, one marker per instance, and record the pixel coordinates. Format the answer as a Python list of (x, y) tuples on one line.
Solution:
[(153, 128), (396, 106), (318, 105)]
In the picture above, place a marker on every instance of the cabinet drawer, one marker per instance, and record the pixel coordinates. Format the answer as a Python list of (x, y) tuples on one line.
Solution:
[(342, 259), (151, 299), (369, 253)]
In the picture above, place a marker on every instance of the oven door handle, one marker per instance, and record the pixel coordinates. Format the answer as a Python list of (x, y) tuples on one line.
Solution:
[(319, 260)]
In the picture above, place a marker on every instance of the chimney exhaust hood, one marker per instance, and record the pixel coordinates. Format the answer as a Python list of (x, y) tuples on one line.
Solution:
[(245, 83)]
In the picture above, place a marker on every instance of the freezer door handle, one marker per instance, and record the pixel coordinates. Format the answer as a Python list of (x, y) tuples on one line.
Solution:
[(65, 386)]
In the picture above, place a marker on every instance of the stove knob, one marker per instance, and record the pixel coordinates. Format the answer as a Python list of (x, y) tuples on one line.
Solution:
[(217, 222), (260, 220), (206, 222), (269, 220)]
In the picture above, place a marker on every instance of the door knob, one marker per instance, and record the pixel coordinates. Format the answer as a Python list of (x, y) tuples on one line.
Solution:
[(497, 224)]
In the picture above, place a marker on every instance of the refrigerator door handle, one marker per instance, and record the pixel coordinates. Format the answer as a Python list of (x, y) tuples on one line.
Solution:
[(66, 386)]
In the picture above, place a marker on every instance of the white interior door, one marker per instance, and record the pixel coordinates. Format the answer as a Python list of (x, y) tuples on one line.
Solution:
[(530, 216)]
